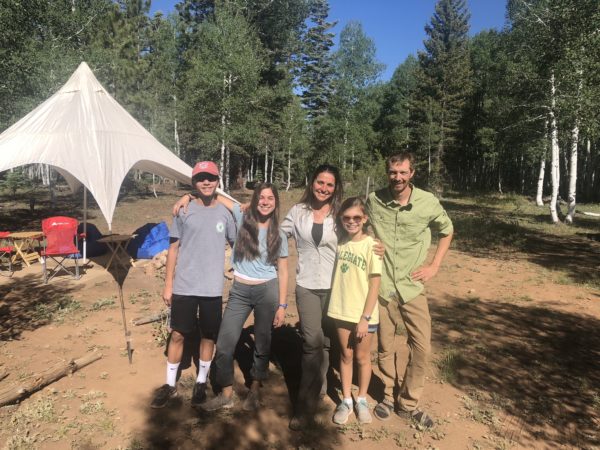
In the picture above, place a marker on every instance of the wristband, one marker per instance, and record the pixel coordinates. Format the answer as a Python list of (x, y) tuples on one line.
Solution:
[(367, 318), (283, 305)]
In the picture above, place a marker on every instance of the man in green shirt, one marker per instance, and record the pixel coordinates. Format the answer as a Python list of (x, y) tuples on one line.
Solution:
[(403, 218)]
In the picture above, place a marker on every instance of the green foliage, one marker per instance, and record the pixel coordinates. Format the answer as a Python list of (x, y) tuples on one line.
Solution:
[(14, 181), (314, 68), (221, 86), (443, 85), (393, 121), (237, 80)]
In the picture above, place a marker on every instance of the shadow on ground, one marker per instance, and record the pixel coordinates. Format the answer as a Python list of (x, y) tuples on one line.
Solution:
[(488, 231), (178, 426), (540, 365), (26, 303)]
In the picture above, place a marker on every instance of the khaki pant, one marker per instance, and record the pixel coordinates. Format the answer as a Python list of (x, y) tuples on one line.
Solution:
[(414, 315)]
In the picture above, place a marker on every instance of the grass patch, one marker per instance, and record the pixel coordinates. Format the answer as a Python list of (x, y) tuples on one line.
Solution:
[(512, 226), (20, 442), (142, 296), (93, 395), (481, 409), (57, 311), (103, 303), (93, 407), (41, 410), (449, 364)]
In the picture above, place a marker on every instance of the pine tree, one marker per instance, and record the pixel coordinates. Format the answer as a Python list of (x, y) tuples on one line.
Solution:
[(444, 83), (315, 69)]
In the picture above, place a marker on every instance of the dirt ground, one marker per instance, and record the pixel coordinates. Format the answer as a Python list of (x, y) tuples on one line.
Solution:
[(515, 364)]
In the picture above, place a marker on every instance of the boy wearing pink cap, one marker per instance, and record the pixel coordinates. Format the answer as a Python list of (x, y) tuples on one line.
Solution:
[(194, 279)]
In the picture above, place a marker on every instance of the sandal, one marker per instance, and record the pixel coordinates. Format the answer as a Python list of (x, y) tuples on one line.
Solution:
[(419, 417), (383, 410)]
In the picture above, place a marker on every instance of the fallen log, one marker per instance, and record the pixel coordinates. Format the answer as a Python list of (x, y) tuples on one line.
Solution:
[(42, 380), (149, 319), (587, 213)]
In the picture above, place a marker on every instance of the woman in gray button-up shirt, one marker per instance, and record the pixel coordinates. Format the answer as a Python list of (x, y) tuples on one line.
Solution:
[(311, 222)]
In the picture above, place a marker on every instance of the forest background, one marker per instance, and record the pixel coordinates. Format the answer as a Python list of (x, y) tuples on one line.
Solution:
[(259, 86)]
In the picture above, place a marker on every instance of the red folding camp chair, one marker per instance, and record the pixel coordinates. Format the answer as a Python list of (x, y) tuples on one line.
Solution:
[(6, 253), (61, 242)]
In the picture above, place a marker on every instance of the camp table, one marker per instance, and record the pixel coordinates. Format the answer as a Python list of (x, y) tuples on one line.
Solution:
[(117, 243), (24, 244)]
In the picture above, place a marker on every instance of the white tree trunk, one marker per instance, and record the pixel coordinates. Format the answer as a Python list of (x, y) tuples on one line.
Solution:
[(289, 165), (573, 159), (540, 186), (175, 129), (251, 176), (265, 174), (573, 173), (345, 142), (154, 186), (272, 165), (555, 162), (227, 171), (222, 165)]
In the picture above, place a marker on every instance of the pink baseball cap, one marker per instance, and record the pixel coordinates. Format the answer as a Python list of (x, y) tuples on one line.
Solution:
[(205, 167)]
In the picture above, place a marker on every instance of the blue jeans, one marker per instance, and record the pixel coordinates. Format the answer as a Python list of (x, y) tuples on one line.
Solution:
[(263, 299)]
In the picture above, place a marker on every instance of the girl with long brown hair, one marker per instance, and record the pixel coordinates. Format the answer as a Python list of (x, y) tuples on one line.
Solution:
[(260, 286)]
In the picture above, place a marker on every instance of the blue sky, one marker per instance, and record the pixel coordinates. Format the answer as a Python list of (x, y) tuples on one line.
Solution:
[(396, 26)]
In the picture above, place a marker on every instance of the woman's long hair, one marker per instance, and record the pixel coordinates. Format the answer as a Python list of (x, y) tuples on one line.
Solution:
[(338, 193), (351, 202), (246, 246)]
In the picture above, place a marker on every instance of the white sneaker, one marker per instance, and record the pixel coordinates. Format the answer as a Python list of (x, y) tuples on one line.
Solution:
[(362, 412), (342, 412)]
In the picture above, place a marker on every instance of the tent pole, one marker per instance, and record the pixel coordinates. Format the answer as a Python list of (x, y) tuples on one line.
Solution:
[(84, 225)]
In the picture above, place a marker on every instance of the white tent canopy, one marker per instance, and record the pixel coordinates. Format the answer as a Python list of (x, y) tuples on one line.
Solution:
[(85, 135)]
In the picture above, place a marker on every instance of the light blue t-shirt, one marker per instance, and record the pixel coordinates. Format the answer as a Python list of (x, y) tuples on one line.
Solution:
[(258, 268)]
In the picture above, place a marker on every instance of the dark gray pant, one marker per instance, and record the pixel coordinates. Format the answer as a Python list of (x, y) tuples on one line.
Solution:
[(315, 326), (243, 298)]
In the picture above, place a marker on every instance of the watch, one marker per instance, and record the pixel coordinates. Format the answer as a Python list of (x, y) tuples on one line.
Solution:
[(367, 318), (283, 305)]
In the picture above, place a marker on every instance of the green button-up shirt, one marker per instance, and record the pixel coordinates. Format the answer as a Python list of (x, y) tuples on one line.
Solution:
[(405, 231)]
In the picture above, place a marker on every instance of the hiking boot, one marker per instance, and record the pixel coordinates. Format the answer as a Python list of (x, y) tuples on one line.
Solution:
[(218, 402), (342, 412), (198, 394), (252, 402), (362, 412), (419, 417), (162, 396), (383, 410)]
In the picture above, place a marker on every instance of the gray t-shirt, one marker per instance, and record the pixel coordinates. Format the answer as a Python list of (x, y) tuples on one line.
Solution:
[(202, 233)]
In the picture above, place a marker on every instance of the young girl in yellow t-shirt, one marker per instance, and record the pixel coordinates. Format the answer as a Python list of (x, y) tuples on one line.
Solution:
[(353, 305)]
